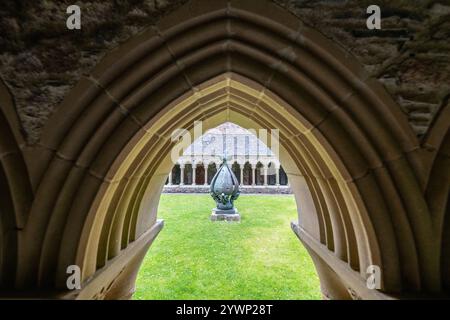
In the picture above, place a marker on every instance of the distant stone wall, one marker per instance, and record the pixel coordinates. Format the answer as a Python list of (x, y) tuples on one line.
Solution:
[(40, 60), (244, 189)]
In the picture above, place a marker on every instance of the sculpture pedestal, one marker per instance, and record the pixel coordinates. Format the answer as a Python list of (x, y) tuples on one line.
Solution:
[(225, 215)]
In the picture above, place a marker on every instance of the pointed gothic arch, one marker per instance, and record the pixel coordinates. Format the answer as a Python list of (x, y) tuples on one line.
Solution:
[(354, 164)]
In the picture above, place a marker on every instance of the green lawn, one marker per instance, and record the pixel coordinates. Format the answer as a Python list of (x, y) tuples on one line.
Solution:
[(258, 258)]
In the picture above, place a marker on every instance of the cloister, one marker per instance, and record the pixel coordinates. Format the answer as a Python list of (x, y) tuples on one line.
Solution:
[(370, 191), (248, 174), (251, 161)]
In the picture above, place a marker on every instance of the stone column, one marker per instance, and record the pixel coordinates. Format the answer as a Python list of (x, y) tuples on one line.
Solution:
[(241, 180), (277, 176), (206, 175), (194, 169), (170, 178), (253, 175), (181, 174), (265, 176)]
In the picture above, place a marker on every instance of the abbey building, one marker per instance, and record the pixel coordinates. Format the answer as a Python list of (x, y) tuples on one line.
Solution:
[(255, 166)]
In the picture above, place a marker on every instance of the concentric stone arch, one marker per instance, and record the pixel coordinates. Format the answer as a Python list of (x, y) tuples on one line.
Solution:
[(358, 172)]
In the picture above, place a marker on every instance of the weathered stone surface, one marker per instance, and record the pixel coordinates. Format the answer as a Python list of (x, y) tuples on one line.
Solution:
[(41, 60), (225, 215)]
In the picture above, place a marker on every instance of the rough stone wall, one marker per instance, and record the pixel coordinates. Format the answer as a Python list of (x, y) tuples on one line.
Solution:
[(410, 55), (40, 60)]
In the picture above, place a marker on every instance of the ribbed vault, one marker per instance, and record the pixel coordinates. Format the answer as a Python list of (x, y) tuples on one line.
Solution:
[(357, 170), (15, 187)]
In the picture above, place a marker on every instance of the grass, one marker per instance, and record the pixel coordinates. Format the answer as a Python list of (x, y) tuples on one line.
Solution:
[(258, 258)]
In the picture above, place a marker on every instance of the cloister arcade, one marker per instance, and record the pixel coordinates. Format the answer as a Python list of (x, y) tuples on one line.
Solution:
[(248, 173)]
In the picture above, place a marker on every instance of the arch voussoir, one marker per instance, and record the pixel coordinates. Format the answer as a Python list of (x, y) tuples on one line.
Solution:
[(350, 152)]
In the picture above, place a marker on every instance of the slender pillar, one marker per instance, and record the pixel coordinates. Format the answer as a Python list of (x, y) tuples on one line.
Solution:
[(206, 175), (241, 180), (253, 175), (277, 176), (181, 174), (194, 169), (265, 176)]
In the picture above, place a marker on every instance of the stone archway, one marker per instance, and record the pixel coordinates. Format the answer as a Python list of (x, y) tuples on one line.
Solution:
[(283, 177), (361, 178)]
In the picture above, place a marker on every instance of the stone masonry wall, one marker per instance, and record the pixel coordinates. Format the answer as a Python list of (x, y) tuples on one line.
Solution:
[(40, 60)]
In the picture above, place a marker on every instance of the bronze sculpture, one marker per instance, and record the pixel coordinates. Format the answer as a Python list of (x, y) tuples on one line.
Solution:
[(225, 190)]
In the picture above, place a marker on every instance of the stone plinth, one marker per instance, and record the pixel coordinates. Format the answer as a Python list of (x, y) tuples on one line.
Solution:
[(225, 215)]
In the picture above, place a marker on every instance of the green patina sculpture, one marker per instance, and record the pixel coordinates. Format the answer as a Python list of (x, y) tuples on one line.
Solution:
[(225, 188)]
